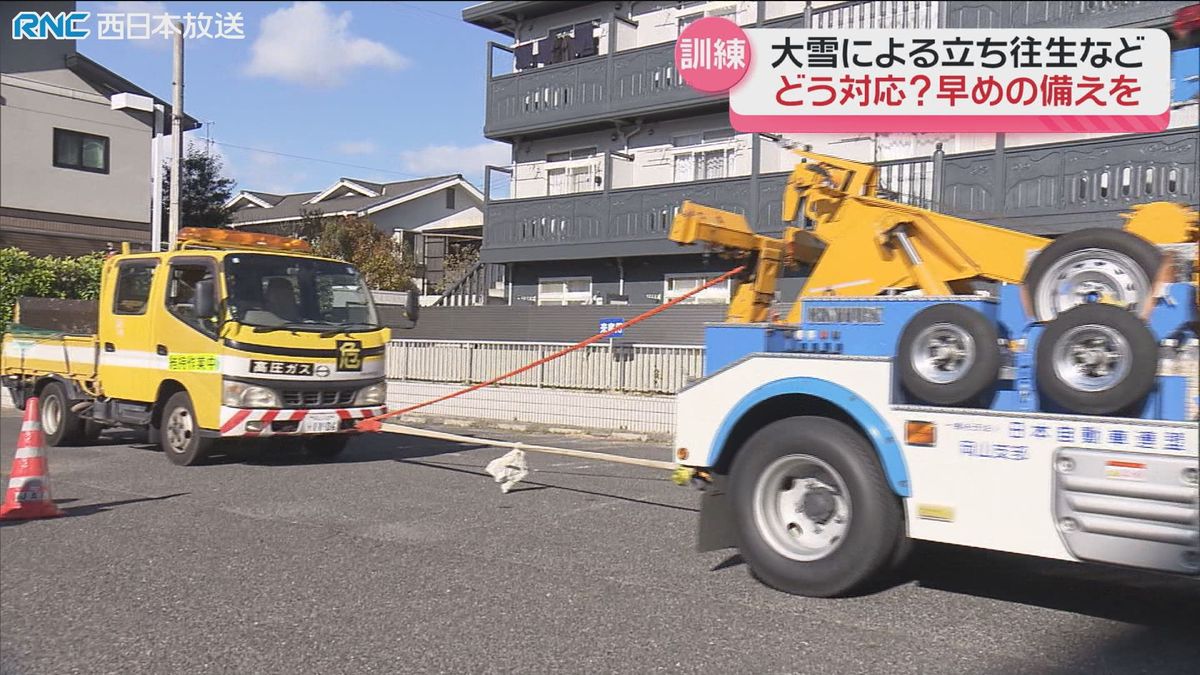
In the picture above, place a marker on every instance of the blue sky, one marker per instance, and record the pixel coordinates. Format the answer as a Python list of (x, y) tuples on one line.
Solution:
[(394, 86)]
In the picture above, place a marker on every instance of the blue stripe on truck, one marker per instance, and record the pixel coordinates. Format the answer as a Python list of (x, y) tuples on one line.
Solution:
[(877, 430)]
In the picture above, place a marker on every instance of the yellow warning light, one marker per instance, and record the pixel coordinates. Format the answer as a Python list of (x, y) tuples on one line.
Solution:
[(222, 238), (920, 433)]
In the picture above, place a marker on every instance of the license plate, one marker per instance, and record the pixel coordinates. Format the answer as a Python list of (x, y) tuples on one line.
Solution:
[(320, 423)]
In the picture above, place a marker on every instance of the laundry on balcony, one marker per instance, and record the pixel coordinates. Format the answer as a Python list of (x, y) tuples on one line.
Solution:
[(524, 56), (583, 42)]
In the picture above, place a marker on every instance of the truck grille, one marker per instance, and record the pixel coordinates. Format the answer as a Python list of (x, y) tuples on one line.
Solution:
[(295, 398)]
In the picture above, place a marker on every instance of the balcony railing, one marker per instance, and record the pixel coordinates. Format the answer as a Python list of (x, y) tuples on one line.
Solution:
[(635, 221), (628, 83), (1060, 13), (633, 82), (1045, 189), (579, 92)]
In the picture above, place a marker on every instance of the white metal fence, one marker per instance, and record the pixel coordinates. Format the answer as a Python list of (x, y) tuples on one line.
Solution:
[(593, 411), (650, 369)]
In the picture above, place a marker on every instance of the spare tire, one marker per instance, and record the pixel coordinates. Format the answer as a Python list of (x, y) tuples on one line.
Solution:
[(947, 355), (1096, 264), (1097, 360)]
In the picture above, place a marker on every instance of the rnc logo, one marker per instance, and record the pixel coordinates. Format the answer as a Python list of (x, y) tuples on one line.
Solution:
[(43, 25)]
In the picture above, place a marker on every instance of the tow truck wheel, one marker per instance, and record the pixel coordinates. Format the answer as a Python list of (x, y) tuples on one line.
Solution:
[(1092, 265), (60, 426), (947, 355), (326, 446), (180, 433), (1096, 360), (814, 515)]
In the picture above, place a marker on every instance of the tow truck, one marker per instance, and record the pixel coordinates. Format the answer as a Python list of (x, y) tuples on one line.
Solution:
[(943, 380), (229, 335)]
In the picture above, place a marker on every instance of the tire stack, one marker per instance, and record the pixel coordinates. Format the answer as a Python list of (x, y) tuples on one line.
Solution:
[(1092, 289)]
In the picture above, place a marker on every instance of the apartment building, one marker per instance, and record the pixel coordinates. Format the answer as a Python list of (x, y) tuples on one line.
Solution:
[(607, 141)]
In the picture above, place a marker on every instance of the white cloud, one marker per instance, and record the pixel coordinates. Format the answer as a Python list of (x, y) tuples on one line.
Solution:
[(357, 148), (468, 160), (310, 45)]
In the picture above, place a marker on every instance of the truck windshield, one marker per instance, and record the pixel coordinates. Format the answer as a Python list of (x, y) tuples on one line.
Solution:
[(275, 291)]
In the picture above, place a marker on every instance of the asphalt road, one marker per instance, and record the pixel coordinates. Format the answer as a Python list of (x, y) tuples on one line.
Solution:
[(403, 557)]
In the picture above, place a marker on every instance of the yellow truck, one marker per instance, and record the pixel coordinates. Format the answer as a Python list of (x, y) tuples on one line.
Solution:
[(230, 335)]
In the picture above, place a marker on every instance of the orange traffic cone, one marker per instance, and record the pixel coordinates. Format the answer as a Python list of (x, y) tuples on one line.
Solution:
[(28, 494)]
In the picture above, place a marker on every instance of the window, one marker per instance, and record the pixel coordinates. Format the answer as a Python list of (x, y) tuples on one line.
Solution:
[(567, 155), (727, 12), (80, 151), (581, 176), (700, 137), (450, 198), (567, 180), (703, 165), (133, 286), (564, 291), (685, 21), (305, 294), (715, 162), (676, 285), (181, 293)]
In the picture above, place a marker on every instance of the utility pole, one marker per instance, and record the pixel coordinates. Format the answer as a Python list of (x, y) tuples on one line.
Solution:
[(176, 137), (156, 200)]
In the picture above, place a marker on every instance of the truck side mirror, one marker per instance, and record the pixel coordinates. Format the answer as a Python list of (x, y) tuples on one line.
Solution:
[(412, 306), (206, 299)]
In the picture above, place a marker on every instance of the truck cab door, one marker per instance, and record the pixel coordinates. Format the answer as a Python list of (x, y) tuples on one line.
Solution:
[(190, 342), (128, 366)]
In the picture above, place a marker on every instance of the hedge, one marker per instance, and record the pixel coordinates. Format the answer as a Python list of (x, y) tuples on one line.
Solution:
[(22, 274)]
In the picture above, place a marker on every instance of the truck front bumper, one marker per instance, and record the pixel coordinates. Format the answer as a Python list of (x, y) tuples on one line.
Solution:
[(252, 422)]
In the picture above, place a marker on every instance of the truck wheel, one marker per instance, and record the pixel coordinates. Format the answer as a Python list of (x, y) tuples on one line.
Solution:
[(180, 433), (1096, 264), (325, 447), (812, 511), (60, 426), (1096, 360), (947, 355)]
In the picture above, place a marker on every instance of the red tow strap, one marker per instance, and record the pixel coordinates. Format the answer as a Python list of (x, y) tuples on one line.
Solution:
[(373, 423)]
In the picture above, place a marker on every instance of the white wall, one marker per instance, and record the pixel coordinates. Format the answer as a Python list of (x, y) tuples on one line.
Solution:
[(426, 209), (658, 22)]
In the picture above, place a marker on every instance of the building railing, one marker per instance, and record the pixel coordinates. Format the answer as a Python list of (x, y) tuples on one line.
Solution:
[(635, 221), (649, 369), (627, 83), (474, 287), (635, 81), (1060, 13), (1044, 189)]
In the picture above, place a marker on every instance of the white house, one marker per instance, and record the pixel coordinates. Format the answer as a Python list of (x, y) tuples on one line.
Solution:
[(428, 214)]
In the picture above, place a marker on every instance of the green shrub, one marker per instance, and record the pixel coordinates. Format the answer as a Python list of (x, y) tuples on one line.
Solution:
[(22, 274)]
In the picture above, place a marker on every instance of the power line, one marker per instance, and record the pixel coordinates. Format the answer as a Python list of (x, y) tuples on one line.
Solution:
[(316, 159), (412, 5)]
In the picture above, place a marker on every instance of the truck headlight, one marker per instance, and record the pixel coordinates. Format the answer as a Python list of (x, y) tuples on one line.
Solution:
[(372, 394), (242, 395)]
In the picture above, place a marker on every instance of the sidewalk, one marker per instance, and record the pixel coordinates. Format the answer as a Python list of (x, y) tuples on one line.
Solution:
[(630, 417)]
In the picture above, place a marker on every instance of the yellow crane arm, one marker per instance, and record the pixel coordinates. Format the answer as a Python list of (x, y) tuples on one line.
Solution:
[(730, 233), (862, 245)]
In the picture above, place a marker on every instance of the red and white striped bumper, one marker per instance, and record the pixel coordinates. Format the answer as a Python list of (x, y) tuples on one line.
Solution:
[(234, 421)]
